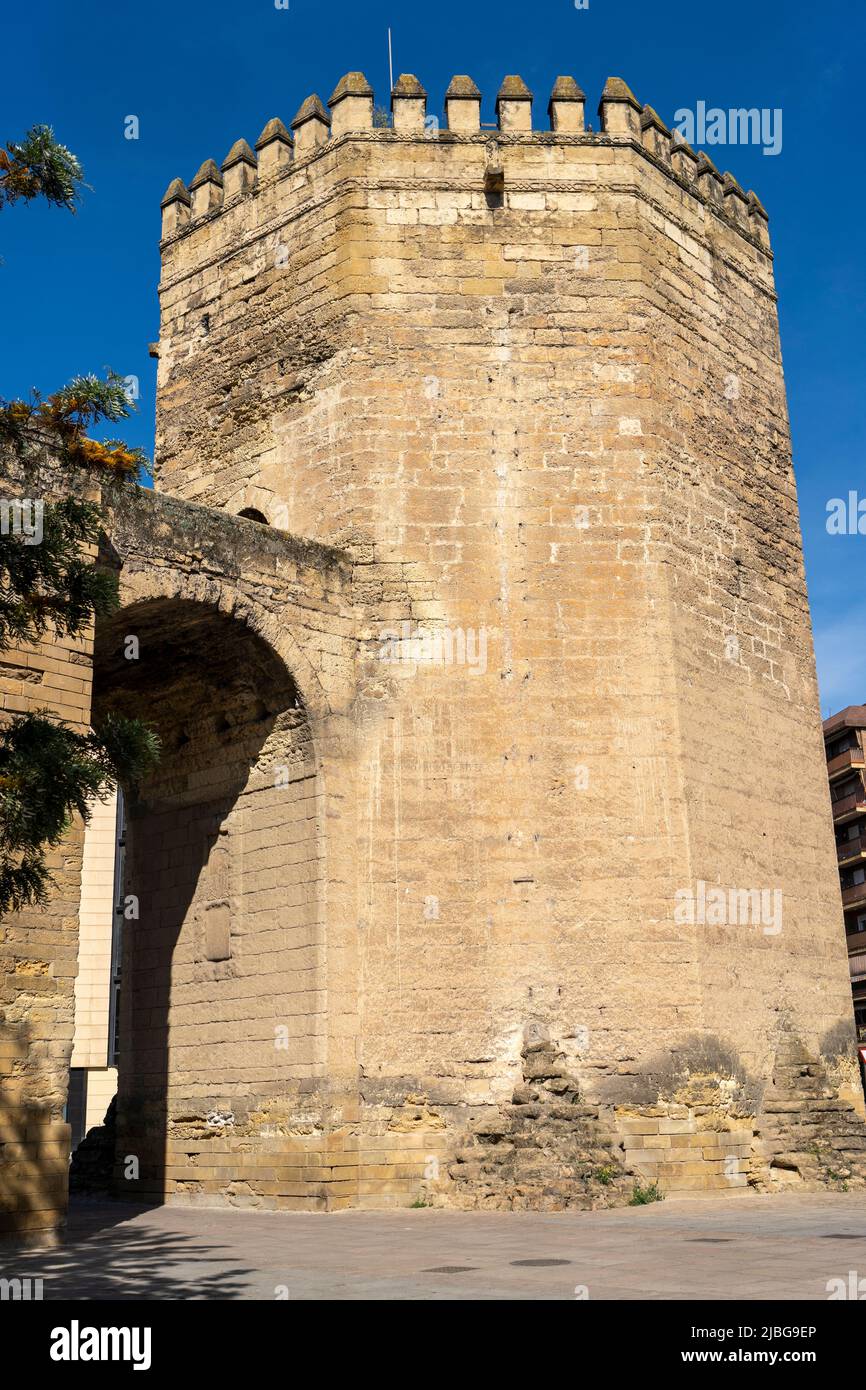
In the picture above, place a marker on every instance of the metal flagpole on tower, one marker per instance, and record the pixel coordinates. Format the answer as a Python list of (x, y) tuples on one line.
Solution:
[(390, 60)]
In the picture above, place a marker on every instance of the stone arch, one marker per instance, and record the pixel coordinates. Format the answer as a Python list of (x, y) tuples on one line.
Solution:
[(139, 586), (221, 1025)]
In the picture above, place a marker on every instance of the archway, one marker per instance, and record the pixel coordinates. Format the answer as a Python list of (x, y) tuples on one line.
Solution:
[(220, 1021)]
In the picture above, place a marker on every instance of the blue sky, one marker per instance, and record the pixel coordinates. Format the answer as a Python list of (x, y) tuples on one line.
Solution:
[(198, 75)]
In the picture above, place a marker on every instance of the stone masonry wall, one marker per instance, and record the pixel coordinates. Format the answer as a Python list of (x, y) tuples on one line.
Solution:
[(531, 381), (234, 984), (38, 952)]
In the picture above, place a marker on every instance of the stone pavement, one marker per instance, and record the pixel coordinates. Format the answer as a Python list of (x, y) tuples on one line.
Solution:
[(782, 1247)]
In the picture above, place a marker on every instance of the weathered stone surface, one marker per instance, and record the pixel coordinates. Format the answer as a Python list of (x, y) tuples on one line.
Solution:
[(543, 426), (38, 947)]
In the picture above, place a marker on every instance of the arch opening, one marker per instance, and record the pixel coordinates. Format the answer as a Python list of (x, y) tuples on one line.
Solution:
[(222, 924)]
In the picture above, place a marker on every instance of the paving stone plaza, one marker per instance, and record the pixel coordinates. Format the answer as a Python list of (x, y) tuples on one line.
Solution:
[(747, 1248)]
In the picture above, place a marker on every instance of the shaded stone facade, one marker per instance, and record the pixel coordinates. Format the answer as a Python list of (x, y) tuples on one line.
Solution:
[(230, 1056), (39, 949)]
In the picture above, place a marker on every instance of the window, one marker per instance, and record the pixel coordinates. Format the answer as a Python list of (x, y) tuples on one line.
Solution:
[(117, 932), (846, 788)]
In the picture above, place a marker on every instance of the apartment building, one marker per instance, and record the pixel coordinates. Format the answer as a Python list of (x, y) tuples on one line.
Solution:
[(845, 742)]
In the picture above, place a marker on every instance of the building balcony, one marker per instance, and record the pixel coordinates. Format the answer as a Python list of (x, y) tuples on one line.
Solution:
[(857, 966), (847, 807), (844, 762), (849, 850), (855, 896)]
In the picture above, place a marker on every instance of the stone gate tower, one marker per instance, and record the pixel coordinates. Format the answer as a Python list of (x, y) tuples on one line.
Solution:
[(490, 855)]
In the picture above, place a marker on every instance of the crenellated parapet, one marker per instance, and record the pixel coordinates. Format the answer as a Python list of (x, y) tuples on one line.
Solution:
[(349, 115), (274, 149), (311, 127), (239, 170), (566, 107), (207, 189), (408, 105), (351, 105)]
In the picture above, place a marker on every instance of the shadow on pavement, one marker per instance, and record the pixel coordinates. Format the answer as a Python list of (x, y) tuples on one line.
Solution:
[(105, 1257)]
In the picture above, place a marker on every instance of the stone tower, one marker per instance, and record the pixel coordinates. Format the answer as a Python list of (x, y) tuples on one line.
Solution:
[(491, 852)]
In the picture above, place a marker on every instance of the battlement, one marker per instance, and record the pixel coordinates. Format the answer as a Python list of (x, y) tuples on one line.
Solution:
[(316, 129)]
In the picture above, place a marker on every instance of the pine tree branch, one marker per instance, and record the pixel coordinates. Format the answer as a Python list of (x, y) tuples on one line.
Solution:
[(49, 773), (40, 167)]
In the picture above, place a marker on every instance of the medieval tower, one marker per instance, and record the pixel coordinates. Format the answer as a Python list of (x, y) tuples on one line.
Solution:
[(490, 853)]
